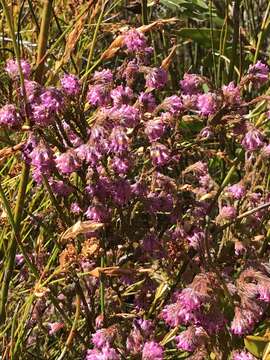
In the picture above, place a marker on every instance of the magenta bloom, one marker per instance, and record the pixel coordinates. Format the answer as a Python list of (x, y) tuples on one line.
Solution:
[(154, 129), (103, 77), (259, 73), (242, 355), (147, 102), (12, 68), (253, 140), (70, 84), (106, 353), (231, 93), (196, 238), (160, 154), (152, 351), (67, 162), (135, 41), (188, 339), (32, 89), (102, 337), (228, 213), (206, 104), (98, 95), (52, 100), (41, 115), (121, 95), (173, 105), (120, 165), (156, 78), (191, 84), (243, 322), (9, 116), (97, 213), (128, 116), (119, 142), (237, 191)]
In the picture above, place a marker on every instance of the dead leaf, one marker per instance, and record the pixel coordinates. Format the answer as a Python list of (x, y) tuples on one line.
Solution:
[(81, 227), (168, 60)]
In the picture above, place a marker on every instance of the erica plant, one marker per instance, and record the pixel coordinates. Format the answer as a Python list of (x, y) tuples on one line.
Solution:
[(154, 228)]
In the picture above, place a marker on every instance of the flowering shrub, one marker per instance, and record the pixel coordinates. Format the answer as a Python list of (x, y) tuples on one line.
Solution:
[(169, 194)]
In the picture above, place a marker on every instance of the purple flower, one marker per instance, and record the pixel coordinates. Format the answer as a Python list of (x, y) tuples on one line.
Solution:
[(98, 95), (147, 102), (196, 238), (32, 89), (67, 162), (237, 191), (258, 73), (41, 115), (266, 151), (135, 41), (188, 340), (129, 116), (121, 192), (191, 84), (206, 104), (60, 188), (89, 154), (243, 322), (154, 129), (253, 140), (264, 291), (42, 158), (75, 208), (228, 213), (156, 78), (160, 154), (106, 353), (152, 351), (190, 299), (120, 165), (52, 100), (231, 93), (119, 142), (98, 213), (9, 116), (12, 68), (121, 95), (102, 337), (70, 84), (242, 355), (173, 105), (104, 76)]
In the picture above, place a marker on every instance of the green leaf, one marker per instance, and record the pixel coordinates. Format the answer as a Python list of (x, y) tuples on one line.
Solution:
[(256, 345)]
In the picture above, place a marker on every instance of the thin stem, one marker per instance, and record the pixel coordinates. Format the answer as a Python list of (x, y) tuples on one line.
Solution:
[(43, 39)]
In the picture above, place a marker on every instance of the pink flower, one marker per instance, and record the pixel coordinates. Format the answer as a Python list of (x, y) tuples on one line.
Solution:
[(160, 154), (156, 78), (135, 40), (9, 116), (206, 104), (258, 73), (253, 140), (70, 84), (227, 213), (237, 191), (242, 355), (231, 94), (191, 84), (12, 68), (152, 351)]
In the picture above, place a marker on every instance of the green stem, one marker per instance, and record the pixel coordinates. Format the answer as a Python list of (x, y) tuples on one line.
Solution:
[(43, 39), (235, 41), (91, 52)]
